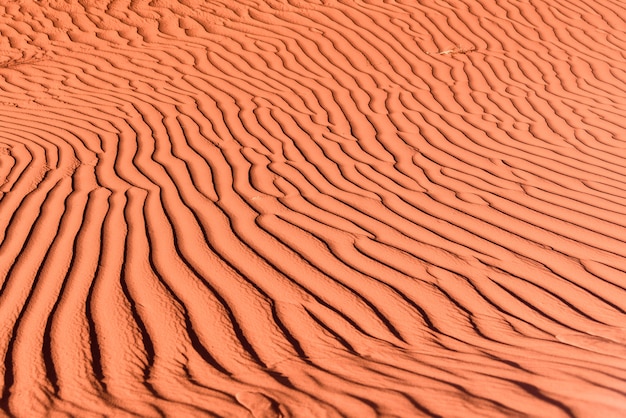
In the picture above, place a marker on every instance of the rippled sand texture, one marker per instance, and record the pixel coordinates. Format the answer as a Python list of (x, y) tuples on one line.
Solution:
[(313, 208)]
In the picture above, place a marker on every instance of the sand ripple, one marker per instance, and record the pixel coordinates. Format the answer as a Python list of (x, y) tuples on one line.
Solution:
[(312, 208)]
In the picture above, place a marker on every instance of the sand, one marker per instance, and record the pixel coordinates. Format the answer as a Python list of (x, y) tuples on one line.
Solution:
[(270, 208)]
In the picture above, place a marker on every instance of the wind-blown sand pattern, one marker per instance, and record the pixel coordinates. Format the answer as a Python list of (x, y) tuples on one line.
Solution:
[(313, 208)]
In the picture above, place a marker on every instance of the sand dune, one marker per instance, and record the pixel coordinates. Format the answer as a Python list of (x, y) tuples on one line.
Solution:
[(313, 208)]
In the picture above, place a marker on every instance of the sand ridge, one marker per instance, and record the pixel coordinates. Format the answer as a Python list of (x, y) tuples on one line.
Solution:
[(312, 208)]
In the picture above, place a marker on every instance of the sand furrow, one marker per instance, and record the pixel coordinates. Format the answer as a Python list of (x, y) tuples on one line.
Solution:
[(312, 208)]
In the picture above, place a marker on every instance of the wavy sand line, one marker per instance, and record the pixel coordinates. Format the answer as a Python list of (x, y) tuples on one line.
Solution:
[(312, 208)]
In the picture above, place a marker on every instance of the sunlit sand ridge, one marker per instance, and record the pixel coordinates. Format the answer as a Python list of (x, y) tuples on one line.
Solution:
[(313, 208)]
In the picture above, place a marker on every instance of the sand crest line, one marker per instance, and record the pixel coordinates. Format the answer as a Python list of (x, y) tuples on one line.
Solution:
[(312, 208)]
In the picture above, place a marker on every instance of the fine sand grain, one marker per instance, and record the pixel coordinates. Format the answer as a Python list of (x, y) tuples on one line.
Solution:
[(315, 208)]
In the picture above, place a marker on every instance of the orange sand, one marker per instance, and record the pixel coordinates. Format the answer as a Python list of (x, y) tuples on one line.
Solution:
[(320, 208)]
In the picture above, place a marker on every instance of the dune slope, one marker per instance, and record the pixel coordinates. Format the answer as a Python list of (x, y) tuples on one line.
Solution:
[(312, 208)]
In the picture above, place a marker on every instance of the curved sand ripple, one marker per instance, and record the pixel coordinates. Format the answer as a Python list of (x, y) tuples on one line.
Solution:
[(313, 208)]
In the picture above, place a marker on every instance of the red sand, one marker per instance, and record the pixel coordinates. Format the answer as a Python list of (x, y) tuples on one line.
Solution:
[(327, 208)]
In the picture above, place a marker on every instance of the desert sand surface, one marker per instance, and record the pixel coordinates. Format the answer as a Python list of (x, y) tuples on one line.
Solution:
[(324, 208)]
